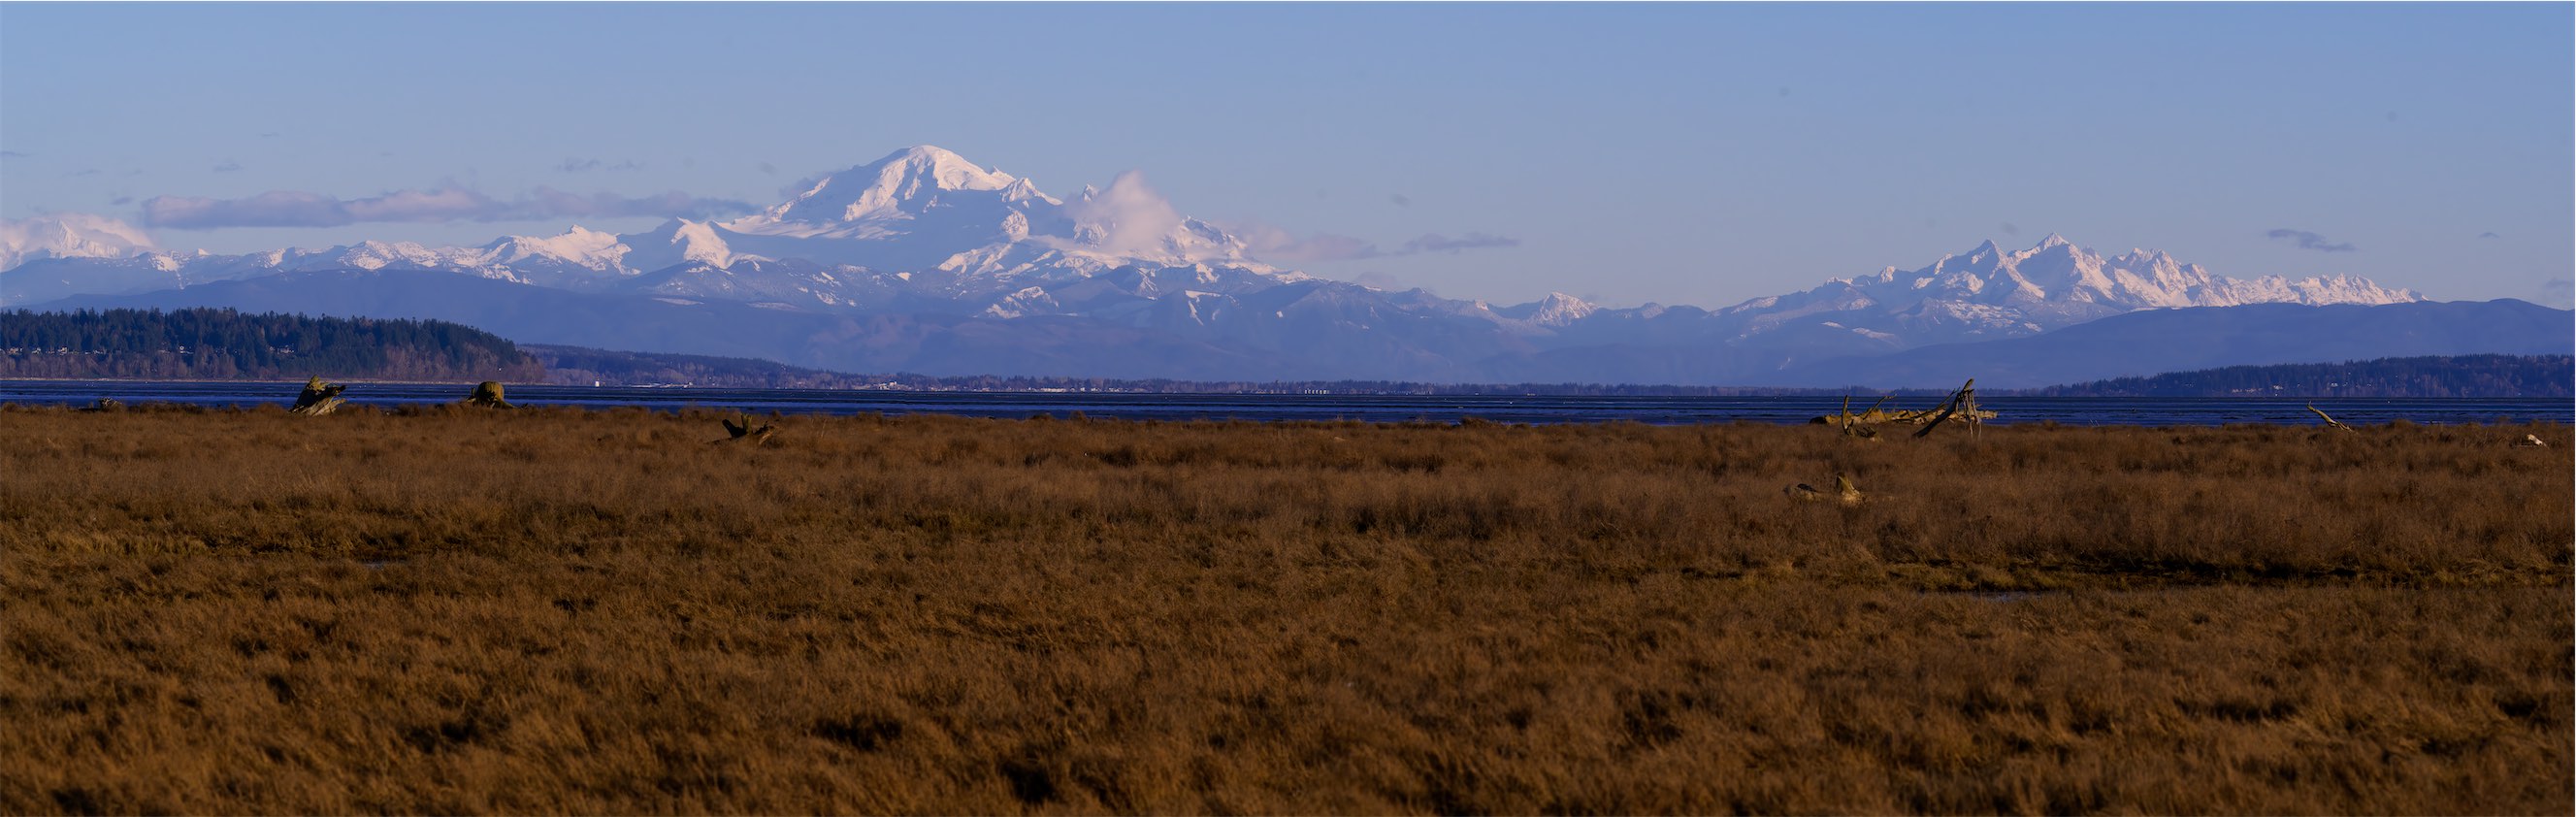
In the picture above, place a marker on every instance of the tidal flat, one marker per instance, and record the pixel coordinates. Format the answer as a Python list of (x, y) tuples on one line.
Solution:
[(564, 611)]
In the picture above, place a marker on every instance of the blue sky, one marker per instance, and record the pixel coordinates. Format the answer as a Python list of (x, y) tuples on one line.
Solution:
[(1630, 153)]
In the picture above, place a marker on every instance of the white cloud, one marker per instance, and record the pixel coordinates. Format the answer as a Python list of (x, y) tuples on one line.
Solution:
[(1128, 217), (1277, 245), (1435, 242), (2311, 241), (290, 208)]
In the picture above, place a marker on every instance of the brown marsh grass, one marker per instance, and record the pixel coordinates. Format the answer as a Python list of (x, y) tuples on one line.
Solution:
[(593, 612)]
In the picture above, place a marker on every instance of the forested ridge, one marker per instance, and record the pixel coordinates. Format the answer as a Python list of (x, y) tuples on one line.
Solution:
[(2448, 376), (219, 344)]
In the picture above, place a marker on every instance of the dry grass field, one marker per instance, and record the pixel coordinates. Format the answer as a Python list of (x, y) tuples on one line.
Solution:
[(556, 611)]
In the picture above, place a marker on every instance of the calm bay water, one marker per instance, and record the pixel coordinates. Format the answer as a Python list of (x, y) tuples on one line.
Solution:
[(1373, 408)]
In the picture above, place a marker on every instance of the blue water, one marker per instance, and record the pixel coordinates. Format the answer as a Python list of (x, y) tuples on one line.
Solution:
[(2195, 411)]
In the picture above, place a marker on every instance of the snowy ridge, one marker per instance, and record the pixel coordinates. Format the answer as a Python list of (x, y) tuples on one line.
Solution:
[(1992, 292)]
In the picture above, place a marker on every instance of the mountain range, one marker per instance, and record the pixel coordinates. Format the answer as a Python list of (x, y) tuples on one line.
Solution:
[(923, 261)]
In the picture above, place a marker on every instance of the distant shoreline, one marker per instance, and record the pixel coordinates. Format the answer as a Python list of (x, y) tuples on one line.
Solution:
[(399, 397)]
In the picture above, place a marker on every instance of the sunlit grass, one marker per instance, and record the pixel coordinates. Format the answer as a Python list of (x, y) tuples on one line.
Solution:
[(553, 610)]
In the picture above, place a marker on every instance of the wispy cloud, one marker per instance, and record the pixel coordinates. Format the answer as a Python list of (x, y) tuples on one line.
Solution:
[(572, 165), (1280, 246), (1276, 245), (767, 168), (11, 154), (1401, 200), (228, 166), (2489, 235), (287, 208), (2559, 292), (1435, 242), (2311, 241)]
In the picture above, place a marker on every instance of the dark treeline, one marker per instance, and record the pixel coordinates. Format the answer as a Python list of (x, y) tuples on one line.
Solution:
[(219, 344), (578, 366), (2460, 376)]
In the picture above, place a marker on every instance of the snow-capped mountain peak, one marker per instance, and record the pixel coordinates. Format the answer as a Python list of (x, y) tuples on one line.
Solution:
[(69, 235), (1556, 310), (928, 208), (1989, 291), (861, 202), (580, 247), (679, 241), (380, 254), (941, 167)]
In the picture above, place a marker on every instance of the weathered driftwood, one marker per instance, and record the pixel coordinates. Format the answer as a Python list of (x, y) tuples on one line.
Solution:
[(2330, 422), (2530, 441), (318, 398), (488, 395), (1962, 404), (1877, 416), (106, 404), (1855, 430), (1844, 492), (742, 431)]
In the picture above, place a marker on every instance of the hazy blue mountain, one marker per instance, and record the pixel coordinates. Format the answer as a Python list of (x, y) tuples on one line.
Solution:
[(925, 343), (2175, 340)]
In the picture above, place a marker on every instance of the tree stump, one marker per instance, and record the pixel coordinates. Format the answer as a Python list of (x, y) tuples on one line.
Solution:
[(738, 432), (318, 398), (488, 395)]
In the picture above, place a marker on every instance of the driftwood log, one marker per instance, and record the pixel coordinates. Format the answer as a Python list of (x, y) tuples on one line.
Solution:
[(2330, 422), (742, 431), (1852, 427), (318, 398), (1962, 404), (106, 404), (1876, 416), (488, 395)]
